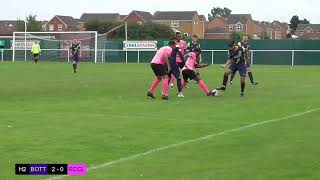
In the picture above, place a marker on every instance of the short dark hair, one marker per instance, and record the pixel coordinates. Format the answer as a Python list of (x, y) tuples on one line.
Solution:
[(231, 43), (172, 43), (195, 36)]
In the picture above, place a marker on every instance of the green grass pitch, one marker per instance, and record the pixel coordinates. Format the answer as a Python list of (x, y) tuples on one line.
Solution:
[(102, 114)]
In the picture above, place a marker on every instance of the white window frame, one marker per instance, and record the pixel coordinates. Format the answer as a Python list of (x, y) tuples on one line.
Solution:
[(175, 24), (51, 27), (230, 28), (60, 27), (239, 27)]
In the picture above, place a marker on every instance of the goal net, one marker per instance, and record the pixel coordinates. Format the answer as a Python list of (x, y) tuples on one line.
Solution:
[(55, 46)]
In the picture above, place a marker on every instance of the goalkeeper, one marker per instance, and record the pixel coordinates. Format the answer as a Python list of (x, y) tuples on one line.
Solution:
[(36, 50)]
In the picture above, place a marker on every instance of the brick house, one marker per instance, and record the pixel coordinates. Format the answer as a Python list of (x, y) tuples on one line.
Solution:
[(240, 22), (8, 27), (61, 23), (308, 31), (138, 17), (186, 22), (100, 17), (221, 28), (274, 30)]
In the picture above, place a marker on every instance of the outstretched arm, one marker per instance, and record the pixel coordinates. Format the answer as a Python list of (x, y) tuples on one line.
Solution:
[(201, 65)]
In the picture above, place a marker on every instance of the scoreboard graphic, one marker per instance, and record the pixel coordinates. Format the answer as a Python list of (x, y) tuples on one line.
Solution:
[(51, 169)]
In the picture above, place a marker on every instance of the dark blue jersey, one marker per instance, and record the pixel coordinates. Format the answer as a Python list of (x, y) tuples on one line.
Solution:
[(246, 47), (75, 48), (173, 57), (237, 57), (191, 46)]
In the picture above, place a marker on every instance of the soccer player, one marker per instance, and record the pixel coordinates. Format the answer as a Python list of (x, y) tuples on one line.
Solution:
[(246, 46), (75, 51), (238, 63), (36, 50), (158, 66), (183, 48), (191, 46), (175, 71), (188, 72)]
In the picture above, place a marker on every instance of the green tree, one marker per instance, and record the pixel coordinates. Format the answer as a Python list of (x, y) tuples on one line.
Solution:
[(32, 23), (147, 31), (304, 21), (219, 12), (237, 35), (295, 21), (20, 25)]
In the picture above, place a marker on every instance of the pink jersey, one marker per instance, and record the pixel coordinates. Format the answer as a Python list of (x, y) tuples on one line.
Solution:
[(162, 54), (191, 61), (183, 48)]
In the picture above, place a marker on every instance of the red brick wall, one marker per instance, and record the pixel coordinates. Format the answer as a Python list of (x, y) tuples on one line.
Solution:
[(133, 17), (55, 22)]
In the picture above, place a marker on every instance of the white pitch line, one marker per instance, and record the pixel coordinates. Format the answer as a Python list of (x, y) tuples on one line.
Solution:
[(226, 132)]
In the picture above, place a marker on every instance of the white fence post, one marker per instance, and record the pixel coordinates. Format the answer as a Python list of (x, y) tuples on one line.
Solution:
[(251, 58), (68, 55), (292, 58), (212, 57), (1, 54)]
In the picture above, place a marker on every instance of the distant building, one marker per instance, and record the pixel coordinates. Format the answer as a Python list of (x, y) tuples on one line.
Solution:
[(274, 30), (8, 27), (308, 31), (139, 17), (221, 28), (61, 23), (186, 22)]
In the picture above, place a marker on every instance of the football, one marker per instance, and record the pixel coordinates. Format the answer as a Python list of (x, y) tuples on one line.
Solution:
[(215, 92)]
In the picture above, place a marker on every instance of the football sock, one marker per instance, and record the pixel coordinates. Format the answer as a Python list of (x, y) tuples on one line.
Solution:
[(243, 85), (165, 87), (225, 80), (232, 76), (251, 77), (172, 79), (154, 85), (179, 85), (203, 86), (74, 67), (184, 84)]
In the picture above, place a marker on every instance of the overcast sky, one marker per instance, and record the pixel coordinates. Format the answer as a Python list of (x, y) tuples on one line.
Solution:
[(267, 10)]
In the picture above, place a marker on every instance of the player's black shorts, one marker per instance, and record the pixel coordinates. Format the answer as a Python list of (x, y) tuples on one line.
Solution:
[(242, 68), (36, 55), (76, 57), (181, 65), (159, 69), (189, 74)]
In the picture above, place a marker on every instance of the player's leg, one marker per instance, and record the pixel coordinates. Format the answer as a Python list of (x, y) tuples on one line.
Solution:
[(200, 82), (243, 73), (75, 63), (155, 68), (165, 87), (185, 78), (253, 82), (172, 79), (231, 78), (230, 70), (176, 73)]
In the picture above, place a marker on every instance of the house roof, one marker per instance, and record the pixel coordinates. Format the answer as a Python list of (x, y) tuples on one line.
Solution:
[(174, 15), (105, 17), (7, 27), (217, 30), (69, 20), (302, 27), (202, 18), (236, 18), (146, 16)]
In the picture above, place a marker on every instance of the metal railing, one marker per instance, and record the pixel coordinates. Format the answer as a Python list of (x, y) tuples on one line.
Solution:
[(105, 52)]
